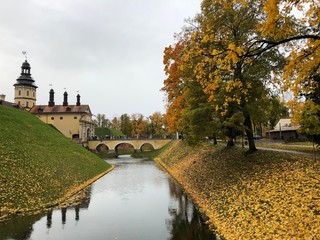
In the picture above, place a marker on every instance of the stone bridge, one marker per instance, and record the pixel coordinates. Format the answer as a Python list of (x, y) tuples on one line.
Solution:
[(137, 144)]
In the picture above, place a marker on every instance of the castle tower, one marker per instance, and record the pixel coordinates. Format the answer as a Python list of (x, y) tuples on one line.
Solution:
[(25, 88)]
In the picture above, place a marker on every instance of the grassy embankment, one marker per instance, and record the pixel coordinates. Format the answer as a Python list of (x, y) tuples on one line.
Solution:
[(306, 147), (266, 195), (39, 166)]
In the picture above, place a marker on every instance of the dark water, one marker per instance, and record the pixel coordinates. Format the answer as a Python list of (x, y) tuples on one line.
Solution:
[(135, 201)]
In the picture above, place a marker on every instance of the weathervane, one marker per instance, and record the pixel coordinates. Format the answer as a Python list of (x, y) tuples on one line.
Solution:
[(25, 54)]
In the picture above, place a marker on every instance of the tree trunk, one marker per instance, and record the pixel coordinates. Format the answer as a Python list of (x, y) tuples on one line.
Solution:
[(230, 143), (249, 132), (215, 139)]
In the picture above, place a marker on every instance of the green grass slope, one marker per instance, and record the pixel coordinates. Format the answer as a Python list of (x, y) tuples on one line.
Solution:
[(38, 165), (103, 131)]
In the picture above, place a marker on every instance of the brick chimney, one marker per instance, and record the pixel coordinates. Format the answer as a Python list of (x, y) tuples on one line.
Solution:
[(65, 99), (51, 98), (78, 100)]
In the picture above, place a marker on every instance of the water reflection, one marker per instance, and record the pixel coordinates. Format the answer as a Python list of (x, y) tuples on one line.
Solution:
[(21, 227), (137, 200), (186, 222)]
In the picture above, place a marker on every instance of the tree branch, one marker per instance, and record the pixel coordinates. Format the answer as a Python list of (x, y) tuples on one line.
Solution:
[(270, 44)]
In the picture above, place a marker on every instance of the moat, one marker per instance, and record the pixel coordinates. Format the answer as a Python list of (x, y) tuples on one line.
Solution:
[(137, 200)]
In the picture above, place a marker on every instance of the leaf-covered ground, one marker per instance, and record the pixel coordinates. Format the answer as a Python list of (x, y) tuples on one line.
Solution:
[(266, 195), (38, 165), (305, 147)]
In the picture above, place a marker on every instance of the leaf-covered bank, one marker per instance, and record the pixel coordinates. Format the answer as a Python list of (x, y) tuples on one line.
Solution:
[(39, 166), (265, 195)]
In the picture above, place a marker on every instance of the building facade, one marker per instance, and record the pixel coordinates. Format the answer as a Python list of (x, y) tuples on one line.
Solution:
[(73, 121), (25, 89), (286, 131)]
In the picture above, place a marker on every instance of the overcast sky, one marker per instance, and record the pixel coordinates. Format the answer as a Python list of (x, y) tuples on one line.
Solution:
[(109, 50)]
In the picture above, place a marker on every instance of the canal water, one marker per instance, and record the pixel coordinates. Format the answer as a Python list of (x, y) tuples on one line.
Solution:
[(135, 201)]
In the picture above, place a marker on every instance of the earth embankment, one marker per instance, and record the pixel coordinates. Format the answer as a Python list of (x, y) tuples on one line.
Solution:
[(264, 195), (39, 166)]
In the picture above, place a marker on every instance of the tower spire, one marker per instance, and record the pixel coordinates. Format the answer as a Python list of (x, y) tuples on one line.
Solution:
[(25, 88), (25, 54)]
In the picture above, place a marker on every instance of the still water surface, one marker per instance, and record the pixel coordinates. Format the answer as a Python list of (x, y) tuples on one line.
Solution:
[(136, 201)]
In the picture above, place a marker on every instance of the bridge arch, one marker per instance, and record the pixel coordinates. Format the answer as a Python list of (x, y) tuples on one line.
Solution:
[(116, 146), (147, 144), (102, 147), (136, 143)]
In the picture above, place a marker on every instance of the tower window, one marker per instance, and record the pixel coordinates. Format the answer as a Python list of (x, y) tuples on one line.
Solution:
[(19, 92), (33, 93), (52, 118), (61, 118), (27, 104), (75, 117), (27, 93)]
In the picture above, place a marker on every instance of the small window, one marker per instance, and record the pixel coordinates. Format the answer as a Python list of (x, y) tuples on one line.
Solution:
[(27, 93), (75, 117), (27, 104), (19, 92), (52, 118), (19, 103), (33, 94), (61, 118)]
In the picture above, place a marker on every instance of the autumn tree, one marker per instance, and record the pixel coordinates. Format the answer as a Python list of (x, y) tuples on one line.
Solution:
[(199, 120), (174, 83), (116, 123), (139, 125), (233, 80), (125, 124), (156, 124)]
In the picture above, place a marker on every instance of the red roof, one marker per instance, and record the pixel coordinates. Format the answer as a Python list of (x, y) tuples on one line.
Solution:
[(38, 109)]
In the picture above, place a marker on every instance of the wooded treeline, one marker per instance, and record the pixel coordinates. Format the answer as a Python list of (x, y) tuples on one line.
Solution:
[(243, 63), (135, 125)]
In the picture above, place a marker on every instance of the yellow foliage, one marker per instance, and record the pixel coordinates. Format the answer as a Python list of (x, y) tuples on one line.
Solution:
[(267, 195)]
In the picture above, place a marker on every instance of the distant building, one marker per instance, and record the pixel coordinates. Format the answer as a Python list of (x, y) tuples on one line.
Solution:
[(73, 121), (285, 130), (25, 88), (6, 103)]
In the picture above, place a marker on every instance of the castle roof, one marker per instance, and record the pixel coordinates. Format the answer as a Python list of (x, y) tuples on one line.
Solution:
[(60, 109), (25, 78)]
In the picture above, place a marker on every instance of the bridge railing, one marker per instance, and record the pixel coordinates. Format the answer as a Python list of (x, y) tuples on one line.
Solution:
[(107, 137)]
